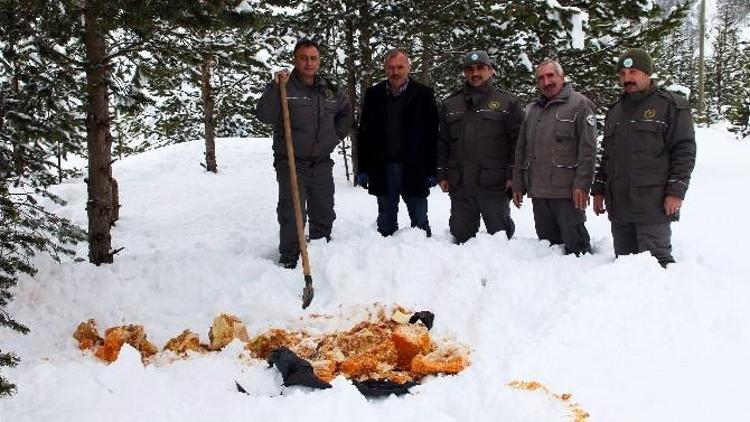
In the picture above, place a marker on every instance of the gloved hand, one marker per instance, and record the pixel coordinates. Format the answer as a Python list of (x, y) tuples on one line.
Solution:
[(431, 181), (361, 180)]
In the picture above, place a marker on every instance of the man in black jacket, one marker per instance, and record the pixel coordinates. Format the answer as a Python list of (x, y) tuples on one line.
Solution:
[(397, 144), (320, 116)]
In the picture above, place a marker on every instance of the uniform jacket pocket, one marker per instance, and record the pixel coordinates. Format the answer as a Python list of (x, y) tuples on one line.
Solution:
[(493, 175), (647, 137)]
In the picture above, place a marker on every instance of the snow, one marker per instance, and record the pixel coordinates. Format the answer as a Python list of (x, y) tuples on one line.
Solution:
[(577, 34), (680, 89), (629, 340), (525, 62), (244, 7)]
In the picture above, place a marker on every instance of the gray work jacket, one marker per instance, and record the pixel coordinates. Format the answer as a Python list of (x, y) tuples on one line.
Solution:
[(556, 149), (320, 117)]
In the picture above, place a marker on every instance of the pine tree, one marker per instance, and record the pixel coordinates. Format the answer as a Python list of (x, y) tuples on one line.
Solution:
[(90, 37), (727, 83), (201, 77), (738, 112), (37, 126)]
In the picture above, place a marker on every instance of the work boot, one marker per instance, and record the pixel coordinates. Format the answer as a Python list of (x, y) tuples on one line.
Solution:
[(288, 262), (509, 227), (425, 227)]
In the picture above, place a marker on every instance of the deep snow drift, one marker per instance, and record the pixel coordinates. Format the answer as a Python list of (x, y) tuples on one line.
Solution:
[(629, 340)]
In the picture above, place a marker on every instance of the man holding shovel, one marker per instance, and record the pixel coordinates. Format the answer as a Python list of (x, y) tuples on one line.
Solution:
[(319, 116)]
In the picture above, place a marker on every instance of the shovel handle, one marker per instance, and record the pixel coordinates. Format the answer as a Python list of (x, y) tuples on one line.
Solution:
[(293, 178)]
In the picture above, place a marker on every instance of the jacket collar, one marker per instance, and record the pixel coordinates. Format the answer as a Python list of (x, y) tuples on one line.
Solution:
[(631, 100), (318, 82), (559, 98)]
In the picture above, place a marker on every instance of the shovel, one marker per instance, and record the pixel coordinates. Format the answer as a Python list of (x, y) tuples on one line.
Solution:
[(307, 292)]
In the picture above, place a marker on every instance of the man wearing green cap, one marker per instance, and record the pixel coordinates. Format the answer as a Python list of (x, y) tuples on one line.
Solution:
[(648, 155), (479, 125)]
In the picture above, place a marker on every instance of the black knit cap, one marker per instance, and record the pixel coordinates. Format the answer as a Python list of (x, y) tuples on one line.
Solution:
[(636, 58)]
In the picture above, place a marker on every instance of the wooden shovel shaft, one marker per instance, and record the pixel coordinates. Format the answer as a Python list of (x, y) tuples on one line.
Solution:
[(293, 179)]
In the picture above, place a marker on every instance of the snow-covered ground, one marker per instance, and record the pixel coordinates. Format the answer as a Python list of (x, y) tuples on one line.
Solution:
[(629, 340)]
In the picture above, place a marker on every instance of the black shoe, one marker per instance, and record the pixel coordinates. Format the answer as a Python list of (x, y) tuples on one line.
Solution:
[(425, 227), (583, 251), (288, 262), (509, 227)]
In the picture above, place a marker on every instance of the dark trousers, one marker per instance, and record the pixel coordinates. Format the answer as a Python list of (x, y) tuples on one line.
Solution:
[(466, 210), (630, 238), (388, 204), (559, 222), (316, 189)]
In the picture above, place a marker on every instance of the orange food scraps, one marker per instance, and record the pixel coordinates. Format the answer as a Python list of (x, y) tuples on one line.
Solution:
[(577, 414), (224, 329), (87, 335), (115, 337), (387, 347), (186, 342)]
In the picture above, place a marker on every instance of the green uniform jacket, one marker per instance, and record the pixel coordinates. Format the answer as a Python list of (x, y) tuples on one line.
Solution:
[(648, 152), (478, 131), (556, 149)]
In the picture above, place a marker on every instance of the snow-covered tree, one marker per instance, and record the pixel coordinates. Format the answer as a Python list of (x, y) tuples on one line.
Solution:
[(38, 126), (200, 78)]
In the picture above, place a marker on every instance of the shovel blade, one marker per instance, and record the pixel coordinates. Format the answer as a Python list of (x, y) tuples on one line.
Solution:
[(308, 292)]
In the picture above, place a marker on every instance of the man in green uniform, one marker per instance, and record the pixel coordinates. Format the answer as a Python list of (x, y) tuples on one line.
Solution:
[(478, 129), (648, 155)]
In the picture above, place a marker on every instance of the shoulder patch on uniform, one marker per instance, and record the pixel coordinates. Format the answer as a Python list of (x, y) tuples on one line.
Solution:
[(591, 120)]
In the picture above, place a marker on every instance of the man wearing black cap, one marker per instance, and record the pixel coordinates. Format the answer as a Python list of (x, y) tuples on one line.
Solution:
[(648, 155), (396, 144), (479, 125)]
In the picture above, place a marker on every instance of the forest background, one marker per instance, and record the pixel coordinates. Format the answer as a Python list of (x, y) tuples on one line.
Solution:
[(103, 80)]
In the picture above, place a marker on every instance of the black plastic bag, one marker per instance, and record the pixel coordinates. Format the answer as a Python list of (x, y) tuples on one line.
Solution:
[(382, 388), (295, 370), (426, 317)]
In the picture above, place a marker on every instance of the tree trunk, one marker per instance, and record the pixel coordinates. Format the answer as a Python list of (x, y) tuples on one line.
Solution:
[(365, 33), (58, 155), (115, 200), (4, 165), (365, 64), (351, 88), (209, 123), (19, 161), (701, 59), (98, 141), (426, 62)]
